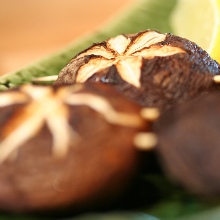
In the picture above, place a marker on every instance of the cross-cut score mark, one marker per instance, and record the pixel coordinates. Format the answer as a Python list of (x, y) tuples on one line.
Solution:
[(45, 105), (127, 54)]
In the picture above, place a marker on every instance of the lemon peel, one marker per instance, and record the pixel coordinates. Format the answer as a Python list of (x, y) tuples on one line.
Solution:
[(198, 21)]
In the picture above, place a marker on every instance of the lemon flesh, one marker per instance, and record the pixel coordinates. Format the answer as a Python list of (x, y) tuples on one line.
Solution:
[(199, 21)]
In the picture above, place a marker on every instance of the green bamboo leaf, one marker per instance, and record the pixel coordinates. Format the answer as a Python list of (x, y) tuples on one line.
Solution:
[(212, 214), (174, 202)]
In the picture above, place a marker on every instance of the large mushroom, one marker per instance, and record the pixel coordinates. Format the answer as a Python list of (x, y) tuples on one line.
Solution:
[(154, 69), (69, 146), (189, 144)]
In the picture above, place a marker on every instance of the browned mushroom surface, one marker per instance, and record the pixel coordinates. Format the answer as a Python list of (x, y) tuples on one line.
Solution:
[(189, 144), (67, 146), (154, 69)]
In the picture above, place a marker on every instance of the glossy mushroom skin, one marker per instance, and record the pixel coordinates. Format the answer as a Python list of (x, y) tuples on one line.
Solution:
[(100, 157), (154, 69), (189, 144)]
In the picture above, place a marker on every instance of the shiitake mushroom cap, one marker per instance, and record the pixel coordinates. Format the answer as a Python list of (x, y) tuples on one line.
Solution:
[(80, 151), (189, 144), (153, 69)]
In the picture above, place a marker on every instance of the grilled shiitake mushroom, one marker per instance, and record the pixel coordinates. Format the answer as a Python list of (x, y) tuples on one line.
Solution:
[(189, 144), (154, 69), (69, 146)]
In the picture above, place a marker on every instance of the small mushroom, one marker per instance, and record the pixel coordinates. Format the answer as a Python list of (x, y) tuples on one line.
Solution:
[(69, 146), (189, 144), (154, 69)]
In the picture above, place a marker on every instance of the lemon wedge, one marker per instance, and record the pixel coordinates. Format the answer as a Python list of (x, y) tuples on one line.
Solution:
[(198, 21)]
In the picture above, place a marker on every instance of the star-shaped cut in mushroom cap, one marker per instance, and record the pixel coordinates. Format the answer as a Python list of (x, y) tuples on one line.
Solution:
[(42, 105), (126, 52)]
